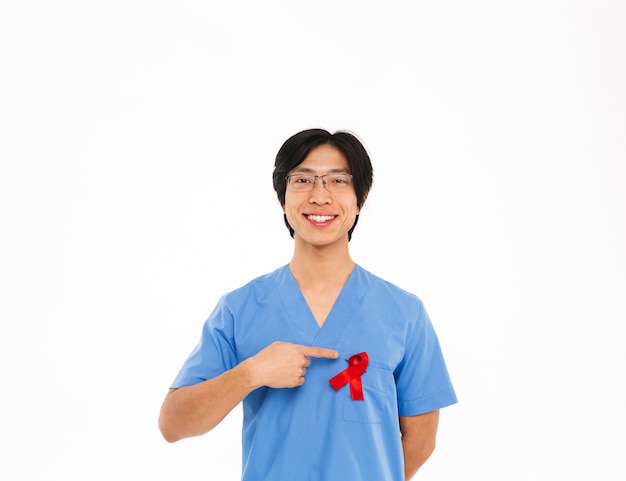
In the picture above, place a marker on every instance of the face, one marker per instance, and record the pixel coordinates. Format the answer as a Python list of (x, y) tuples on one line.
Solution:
[(319, 217)]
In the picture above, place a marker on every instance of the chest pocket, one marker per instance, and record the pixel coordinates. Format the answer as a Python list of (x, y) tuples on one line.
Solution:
[(378, 392)]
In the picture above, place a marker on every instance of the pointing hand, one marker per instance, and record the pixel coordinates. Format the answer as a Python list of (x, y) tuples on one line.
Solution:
[(284, 364)]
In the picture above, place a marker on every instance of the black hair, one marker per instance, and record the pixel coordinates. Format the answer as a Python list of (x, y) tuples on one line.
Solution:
[(297, 147)]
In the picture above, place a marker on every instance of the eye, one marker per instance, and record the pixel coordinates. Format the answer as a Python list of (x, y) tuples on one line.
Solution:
[(340, 179), (301, 179)]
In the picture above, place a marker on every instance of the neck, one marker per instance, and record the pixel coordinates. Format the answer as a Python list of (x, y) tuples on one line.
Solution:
[(326, 264)]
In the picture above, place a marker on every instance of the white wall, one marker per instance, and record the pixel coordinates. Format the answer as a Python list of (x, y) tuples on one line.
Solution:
[(136, 147)]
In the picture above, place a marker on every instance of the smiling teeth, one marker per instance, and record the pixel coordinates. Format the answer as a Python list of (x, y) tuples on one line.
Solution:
[(321, 218)]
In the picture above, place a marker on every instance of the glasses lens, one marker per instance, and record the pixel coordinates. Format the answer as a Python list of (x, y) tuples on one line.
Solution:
[(337, 182), (301, 181)]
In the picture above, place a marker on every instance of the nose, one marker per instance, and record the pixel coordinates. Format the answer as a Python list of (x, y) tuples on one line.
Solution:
[(320, 194)]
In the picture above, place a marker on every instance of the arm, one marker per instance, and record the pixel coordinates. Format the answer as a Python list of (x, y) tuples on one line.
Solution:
[(195, 410), (418, 440)]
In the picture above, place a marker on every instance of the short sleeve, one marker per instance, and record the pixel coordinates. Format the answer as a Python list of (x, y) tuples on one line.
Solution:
[(422, 379), (214, 354)]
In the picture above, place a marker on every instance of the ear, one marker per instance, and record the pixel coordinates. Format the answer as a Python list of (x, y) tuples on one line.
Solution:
[(364, 200)]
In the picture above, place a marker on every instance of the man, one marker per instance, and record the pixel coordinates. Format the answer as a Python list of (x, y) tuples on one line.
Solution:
[(340, 372)]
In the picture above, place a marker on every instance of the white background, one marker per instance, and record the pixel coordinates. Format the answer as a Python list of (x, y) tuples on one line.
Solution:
[(137, 141)]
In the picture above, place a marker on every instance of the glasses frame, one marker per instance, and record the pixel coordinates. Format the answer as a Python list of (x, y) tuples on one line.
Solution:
[(315, 177)]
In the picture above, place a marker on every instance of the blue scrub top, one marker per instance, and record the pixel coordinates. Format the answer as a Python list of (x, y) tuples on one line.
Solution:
[(312, 432)]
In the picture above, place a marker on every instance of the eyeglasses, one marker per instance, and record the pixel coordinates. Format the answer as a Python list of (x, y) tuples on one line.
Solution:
[(307, 182)]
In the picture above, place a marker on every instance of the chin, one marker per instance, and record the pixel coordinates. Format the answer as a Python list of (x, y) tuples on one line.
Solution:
[(323, 241)]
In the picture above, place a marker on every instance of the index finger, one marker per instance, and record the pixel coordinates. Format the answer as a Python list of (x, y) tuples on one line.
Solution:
[(321, 352)]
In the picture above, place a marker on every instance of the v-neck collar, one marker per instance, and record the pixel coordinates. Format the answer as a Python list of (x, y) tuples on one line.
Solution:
[(300, 318)]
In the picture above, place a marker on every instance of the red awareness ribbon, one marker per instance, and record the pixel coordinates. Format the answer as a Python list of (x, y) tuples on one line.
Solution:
[(356, 366)]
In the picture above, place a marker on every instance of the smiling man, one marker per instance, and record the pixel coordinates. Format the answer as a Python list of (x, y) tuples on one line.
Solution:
[(340, 373)]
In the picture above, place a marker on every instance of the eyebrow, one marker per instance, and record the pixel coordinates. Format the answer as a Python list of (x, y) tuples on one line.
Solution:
[(305, 170)]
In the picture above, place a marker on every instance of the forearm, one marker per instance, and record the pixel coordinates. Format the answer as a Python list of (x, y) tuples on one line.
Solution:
[(418, 440), (415, 455), (195, 410)]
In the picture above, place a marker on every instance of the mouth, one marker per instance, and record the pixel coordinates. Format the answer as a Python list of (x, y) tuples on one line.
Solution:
[(320, 218)]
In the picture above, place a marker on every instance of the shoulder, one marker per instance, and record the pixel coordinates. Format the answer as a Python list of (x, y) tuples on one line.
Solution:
[(390, 290), (257, 286)]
